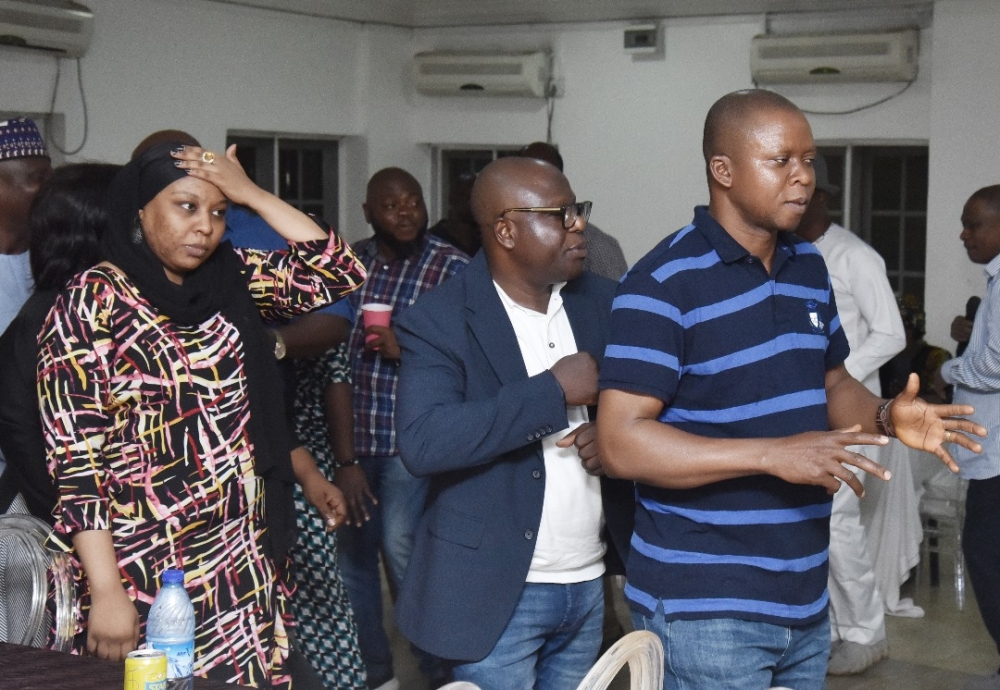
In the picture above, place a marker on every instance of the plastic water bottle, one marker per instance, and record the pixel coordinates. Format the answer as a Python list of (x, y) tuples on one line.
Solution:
[(171, 628)]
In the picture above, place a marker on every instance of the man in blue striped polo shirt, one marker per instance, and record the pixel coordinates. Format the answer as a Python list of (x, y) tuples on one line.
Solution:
[(721, 382)]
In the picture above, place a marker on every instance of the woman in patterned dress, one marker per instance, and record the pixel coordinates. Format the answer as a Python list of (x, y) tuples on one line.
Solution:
[(324, 621), (157, 388)]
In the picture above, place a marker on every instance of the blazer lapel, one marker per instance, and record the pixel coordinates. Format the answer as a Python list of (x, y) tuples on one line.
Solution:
[(490, 325), (584, 320)]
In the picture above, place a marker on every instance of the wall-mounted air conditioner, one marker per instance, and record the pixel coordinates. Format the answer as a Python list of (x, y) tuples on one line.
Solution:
[(482, 74), (803, 58), (60, 27)]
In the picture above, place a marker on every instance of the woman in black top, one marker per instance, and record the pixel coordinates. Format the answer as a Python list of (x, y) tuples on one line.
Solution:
[(67, 221)]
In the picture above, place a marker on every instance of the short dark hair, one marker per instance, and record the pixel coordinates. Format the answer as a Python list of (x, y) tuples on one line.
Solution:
[(68, 217), (989, 195), (543, 152), (732, 110)]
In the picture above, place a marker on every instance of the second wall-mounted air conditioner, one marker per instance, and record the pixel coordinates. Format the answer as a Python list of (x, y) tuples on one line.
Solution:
[(59, 27), (482, 74), (805, 58)]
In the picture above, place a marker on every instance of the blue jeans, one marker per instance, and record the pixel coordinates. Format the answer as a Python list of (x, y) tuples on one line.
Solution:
[(550, 643), (732, 654), (394, 520)]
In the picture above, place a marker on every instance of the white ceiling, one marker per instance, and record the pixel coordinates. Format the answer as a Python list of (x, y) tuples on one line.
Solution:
[(440, 13)]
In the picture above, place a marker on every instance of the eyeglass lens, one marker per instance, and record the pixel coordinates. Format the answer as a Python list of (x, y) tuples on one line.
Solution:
[(573, 211)]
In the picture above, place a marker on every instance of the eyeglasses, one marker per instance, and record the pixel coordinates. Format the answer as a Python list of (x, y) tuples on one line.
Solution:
[(570, 213)]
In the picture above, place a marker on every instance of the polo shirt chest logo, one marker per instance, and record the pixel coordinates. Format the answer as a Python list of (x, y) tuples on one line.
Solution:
[(815, 320)]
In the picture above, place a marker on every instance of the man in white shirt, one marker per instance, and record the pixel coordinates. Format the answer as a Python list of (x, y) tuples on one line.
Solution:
[(498, 368), (874, 329)]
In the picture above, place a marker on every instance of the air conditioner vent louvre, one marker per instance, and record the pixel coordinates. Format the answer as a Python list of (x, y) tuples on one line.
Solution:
[(40, 21), (781, 52), (467, 69), (482, 74), (54, 26), (803, 58)]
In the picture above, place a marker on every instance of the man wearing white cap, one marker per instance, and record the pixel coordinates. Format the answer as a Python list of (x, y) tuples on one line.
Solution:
[(24, 167), (874, 330)]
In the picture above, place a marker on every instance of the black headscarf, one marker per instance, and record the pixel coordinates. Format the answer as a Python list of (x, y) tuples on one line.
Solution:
[(218, 285)]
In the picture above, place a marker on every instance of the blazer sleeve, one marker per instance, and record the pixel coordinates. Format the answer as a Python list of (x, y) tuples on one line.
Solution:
[(441, 427)]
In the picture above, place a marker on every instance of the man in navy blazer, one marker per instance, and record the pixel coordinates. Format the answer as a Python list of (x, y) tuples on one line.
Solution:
[(498, 368)]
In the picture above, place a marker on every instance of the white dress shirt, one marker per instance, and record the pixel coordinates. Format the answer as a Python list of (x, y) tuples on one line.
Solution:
[(865, 303), (568, 547)]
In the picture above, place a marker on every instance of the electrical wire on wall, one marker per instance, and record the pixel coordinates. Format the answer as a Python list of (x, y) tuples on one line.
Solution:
[(83, 101), (551, 89), (858, 109), (550, 108)]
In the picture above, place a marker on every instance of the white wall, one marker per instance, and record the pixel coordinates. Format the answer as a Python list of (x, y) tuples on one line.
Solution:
[(386, 117), (197, 66), (965, 138), (630, 129)]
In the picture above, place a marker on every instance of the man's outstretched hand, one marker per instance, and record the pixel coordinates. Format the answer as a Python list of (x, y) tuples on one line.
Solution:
[(928, 427)]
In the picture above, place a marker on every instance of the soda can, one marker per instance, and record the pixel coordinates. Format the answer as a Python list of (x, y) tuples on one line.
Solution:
[(146, 669)]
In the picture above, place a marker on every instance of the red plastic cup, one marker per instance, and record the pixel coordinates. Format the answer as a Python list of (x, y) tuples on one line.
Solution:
[(375, 315)]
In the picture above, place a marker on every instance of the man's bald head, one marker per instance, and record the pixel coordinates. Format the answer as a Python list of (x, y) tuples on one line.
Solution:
[(394, 207), (387, 178), (507, 183), (730, 118), (528, 251), (759, 153)]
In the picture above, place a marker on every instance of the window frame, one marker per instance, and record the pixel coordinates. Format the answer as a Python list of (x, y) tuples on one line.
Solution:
[(272, 144), (440, 173), (855, 200)]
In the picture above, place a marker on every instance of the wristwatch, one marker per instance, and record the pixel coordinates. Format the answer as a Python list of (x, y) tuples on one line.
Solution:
[(279, 346), (883, 420)]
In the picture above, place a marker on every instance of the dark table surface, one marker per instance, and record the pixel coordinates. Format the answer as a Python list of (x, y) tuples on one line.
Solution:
[(26, 668)]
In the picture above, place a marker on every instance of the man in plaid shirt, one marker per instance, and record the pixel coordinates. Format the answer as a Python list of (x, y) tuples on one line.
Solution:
[(403, 261)]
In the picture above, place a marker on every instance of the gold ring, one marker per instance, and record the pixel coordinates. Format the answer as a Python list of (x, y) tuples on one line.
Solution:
[(208, 157), (947, 437)]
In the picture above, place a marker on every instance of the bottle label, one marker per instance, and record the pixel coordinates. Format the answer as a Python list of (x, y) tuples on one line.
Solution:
[(180, 657)]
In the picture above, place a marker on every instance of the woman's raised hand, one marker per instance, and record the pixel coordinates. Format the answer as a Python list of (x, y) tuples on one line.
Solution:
[(224, 171)]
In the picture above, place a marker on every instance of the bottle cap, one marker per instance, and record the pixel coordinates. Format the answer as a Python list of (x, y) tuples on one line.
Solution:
[(173, 576)]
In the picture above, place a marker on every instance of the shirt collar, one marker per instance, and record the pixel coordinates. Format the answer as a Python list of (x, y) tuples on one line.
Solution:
[(555, 300), (731, 251), (993, 267), (369, 250)]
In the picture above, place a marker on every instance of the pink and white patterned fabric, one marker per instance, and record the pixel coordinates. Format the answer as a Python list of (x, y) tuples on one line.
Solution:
[(145, 423)]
